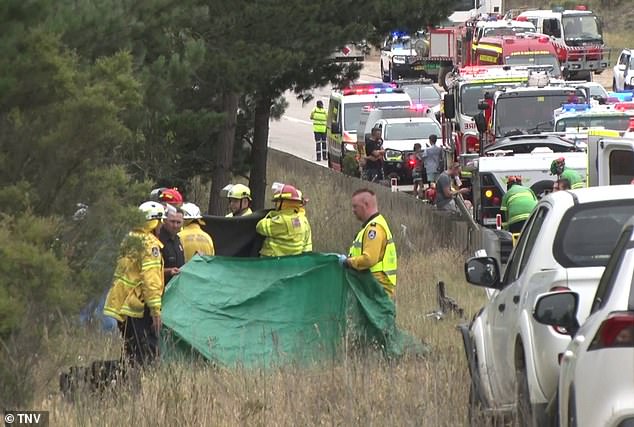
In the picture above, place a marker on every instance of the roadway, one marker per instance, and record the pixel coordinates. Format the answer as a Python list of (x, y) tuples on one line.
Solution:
[(293, 133)]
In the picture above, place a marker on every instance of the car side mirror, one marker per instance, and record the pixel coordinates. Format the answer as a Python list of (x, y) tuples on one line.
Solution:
[(385, 49), (480, 122), (558, 309), (483, 271), (449, 106), (335, 127)]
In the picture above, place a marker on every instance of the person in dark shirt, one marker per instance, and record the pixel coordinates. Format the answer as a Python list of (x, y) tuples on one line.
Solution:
[(173, 254), (374, 151)]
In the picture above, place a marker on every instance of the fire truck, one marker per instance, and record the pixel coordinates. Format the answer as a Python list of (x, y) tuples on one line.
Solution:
[(466, 89), (521, 49), (577, 36)]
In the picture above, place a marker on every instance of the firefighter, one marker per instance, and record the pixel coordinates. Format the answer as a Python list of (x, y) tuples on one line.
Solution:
[(286, 228), (239, 196), (558, 167), (373, 248), (308, 238), (318, 116), (517, 204), (194, 239), (134, 299)]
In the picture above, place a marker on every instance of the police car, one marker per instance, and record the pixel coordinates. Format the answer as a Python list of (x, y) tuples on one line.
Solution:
[(401, 56), (624, 71)]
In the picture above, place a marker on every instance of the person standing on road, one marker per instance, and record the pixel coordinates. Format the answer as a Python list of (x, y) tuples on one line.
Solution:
[(432, 159), (173, 254), (373, 248), (558, 167), (193, 237), (134, 298), (373, 170), (444, 192), (417, 171), (239, 196), (286, 229), (318, 116), (517, 204)]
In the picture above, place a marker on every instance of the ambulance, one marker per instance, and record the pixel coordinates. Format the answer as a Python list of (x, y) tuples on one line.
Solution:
[(344, 112), (610, 158)]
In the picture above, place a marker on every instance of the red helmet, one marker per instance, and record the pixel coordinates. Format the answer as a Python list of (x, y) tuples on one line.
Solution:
[(171, 196), (288, 192)]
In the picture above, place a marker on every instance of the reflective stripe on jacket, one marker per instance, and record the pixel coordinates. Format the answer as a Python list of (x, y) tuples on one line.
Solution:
[(318, 116), (138, 277), (518, 203), (287, 233), (388, 264), (195, 240)]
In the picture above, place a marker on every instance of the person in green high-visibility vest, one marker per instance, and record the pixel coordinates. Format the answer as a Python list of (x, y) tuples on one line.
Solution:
[(558, 167), (318, 116), (517, 204)]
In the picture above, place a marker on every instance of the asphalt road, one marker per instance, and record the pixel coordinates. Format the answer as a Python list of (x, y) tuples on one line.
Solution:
[(293, 134)]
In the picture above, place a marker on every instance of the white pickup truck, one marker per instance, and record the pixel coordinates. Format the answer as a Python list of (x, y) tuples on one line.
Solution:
[(565, 244)]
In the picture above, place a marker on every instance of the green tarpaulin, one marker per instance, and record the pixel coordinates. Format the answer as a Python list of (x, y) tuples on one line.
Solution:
[(263, 311)]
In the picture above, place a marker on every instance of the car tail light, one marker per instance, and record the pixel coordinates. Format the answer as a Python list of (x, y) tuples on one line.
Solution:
[(491, 197), (615, 331), (559, 329), (498, 222)]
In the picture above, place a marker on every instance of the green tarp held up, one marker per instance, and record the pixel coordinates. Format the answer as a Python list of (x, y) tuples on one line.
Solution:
[(265, 311)]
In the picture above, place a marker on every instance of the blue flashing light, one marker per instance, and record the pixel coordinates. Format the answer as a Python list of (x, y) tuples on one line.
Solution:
[(398, 33), (622, 96), (571, 108)]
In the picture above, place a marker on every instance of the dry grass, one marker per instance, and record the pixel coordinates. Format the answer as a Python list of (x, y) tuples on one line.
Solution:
[(354, 391)]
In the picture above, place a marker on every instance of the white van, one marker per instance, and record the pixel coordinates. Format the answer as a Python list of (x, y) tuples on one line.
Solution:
[(344, 112)]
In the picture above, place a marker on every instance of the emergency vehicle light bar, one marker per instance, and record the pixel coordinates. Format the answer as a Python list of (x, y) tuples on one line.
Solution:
[(570, 108), (621, 96), (371, 88), (622, 106)]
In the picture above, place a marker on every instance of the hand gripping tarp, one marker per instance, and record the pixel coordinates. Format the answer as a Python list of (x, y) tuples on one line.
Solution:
[(268, 311)]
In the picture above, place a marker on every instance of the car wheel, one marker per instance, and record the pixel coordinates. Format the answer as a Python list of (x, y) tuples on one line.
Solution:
[(384, 76), (524, 412), (390, 74), (614, 85)]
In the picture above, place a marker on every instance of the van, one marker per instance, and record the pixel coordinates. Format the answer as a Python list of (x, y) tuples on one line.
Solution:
[(344, 112)]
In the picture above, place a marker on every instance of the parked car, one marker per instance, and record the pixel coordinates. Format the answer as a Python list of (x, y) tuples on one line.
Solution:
[(596, 383), (623, 71), (565, 244)]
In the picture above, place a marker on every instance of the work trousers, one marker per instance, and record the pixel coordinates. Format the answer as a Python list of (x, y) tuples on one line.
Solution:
[(141, 344), (321, 149)]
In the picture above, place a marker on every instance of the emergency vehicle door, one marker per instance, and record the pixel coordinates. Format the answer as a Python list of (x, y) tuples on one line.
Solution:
[(614, 163)]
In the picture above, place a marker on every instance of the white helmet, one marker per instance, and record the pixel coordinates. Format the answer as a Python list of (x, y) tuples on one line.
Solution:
[(191, 211), (152, 210)]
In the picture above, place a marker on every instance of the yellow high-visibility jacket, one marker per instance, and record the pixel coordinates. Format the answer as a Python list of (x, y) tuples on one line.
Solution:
[(138, 277), (287, 233), (195, 240), (247, 211), (318, 116)]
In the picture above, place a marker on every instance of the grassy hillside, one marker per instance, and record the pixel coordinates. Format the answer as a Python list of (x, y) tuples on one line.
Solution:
[(354, 391), (616, 15)]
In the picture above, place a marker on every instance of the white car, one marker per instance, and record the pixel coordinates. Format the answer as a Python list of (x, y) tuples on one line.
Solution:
[(596, 383), (624, 71), (565, 244)]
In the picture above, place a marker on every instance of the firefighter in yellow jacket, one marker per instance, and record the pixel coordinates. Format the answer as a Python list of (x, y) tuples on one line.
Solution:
[(194, 239), (134, 299), (373, 248), (286, 228)]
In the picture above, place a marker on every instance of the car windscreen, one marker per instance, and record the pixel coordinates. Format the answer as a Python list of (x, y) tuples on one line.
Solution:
[(471, 94), (581, 28), (410, 130), (535, 59), (506, 31), (352, 112), (530, 114), (589, 231), (422, 93), (598, 91), (621, 123)]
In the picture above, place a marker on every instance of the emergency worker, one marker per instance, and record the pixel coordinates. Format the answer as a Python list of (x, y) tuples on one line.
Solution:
[(558, 167), (286, 228), (318, 116), (193, 238), (517, 204), (373, 248), (173, 253), (134, 298), (239, 196)]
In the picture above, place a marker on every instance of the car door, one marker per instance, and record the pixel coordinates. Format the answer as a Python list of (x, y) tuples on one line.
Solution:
[(385, 54), (620, 70), (507, 308)]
